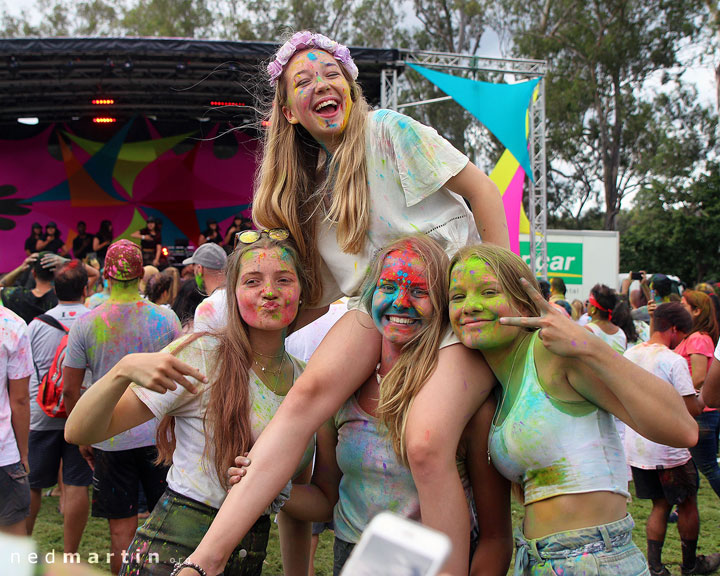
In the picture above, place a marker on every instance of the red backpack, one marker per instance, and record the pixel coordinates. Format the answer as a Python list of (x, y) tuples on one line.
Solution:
[(50, 387)]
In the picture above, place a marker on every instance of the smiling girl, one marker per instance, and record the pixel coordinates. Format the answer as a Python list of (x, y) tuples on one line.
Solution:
[(208, 420), (554, 433), (346, 181)]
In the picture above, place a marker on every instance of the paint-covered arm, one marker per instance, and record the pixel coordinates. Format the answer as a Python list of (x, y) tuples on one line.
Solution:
[(610, 380), (19, 398), (491, 492), (108, 407), (10, 277), (485, 202)]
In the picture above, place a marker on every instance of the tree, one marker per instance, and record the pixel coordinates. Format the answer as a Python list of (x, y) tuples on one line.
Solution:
[(675, 231), (602, 55)]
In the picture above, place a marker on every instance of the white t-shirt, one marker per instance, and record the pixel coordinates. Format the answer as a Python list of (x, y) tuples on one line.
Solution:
[(44, 340), (717, 350), (211, 313), (15, 363), (303, 342), (191, 474), (617, 341), (408, 165), (671, 367)]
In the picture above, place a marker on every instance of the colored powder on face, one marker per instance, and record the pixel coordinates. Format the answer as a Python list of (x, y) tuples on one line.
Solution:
[(311, 56)]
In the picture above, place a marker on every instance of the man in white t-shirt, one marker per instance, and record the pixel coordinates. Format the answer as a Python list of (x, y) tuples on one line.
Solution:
[(210, 261), (47, 440), (15, 369), (664, 474)]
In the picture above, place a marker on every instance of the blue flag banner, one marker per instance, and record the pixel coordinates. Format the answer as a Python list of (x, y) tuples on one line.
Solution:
[(502, 108)]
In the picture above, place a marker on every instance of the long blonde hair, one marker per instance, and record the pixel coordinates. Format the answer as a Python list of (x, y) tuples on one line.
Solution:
[(419, 356), (229, 401), (291, 183)]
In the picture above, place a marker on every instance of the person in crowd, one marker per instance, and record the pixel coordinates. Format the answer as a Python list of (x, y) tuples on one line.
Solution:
[(47, 443), (186, 302), (148, 272), (578, 309), (557, 293), (361, 457), (158, 290), (709, 290), (210, 419), (239, 224), (82, 243), (211, 234), (32, 240), (209, 262), (554, 433), (174, 275), (102, 241), (150, 241), (710, 393), (25, 302), (126, 323), (697, 349), (15, 369), (664, 473), (344, 180), (97, 298), (51, 241), (603, 322)]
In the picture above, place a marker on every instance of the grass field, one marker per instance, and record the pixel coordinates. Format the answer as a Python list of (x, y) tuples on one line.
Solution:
[(48, 535)]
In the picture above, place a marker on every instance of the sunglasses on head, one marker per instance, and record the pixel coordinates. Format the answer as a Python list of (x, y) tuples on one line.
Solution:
[(252, 236)]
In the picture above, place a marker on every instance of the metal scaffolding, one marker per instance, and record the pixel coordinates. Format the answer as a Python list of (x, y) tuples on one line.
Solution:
[(537, 205)]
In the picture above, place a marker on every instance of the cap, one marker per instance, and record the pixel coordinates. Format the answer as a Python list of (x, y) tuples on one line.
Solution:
[(661, 284), (36, 225), (123, 261), (209, 255), (51, 225)]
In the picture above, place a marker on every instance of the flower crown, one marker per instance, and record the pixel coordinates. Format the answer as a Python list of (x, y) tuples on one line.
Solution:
[(303, 40)]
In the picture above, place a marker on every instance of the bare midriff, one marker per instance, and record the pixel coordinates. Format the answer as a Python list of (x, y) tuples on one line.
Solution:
[(572, 511)]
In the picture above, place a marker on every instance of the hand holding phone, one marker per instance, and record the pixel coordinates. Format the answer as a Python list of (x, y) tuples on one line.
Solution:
[(395, 546)]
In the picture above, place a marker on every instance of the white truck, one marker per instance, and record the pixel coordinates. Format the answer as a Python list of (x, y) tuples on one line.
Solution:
[(582, 258)]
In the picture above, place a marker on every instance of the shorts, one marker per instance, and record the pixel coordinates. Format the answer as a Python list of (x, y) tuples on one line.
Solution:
[(605, 550), (341, 553), (320, 527), (15, 490), (47, 448), (673, 484), (116, 479), (173, 531)]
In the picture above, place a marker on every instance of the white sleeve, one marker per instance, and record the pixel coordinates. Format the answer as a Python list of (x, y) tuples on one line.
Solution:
[(680, 377), (717, 350)]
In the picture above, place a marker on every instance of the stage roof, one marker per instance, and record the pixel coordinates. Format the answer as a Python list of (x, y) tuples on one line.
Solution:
[(171, 80)]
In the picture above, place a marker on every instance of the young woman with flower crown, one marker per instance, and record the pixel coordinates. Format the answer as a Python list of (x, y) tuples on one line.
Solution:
[(345, 181)]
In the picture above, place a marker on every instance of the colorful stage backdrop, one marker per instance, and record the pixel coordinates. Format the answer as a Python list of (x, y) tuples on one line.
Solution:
[(125, 182)]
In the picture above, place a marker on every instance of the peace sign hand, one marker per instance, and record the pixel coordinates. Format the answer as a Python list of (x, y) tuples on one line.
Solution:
[(559, 334)]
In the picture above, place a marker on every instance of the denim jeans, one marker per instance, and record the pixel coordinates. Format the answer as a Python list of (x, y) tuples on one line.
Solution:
[(705, 452), (605, 550)]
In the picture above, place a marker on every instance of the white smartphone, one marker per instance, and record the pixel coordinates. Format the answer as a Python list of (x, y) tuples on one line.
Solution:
[(395, 546)]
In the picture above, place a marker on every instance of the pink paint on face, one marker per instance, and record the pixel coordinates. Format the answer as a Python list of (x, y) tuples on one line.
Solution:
[(318, 95), (268, 290)]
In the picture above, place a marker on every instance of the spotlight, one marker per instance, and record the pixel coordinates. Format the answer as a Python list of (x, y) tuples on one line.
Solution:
[(128, 65), (28, 121), (104, 120), (181, 67)]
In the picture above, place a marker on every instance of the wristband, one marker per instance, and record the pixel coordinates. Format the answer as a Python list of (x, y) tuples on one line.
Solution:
[(187, 564)]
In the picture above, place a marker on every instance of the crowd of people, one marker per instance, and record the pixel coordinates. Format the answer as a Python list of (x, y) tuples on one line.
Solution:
[(450, 379)]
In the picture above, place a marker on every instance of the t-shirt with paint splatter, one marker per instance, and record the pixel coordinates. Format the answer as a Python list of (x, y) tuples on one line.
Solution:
[(98, 340), (15, 363), (671, 367), (408, 165), (192, 474)]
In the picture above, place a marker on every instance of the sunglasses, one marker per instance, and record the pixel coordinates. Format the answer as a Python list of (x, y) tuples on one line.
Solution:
[(252, 236)]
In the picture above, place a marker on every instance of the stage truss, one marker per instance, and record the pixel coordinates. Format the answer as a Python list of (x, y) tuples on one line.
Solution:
[(471, 65)]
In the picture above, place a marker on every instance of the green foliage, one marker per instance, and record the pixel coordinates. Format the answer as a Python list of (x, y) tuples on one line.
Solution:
[(675, 230)]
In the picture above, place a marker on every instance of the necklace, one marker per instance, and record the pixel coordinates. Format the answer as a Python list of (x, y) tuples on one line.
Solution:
[(269, 355), (504, 395), (277, 373)]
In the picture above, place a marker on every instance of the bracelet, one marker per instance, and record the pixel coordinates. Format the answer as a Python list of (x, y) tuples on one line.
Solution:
[(187, 564)]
